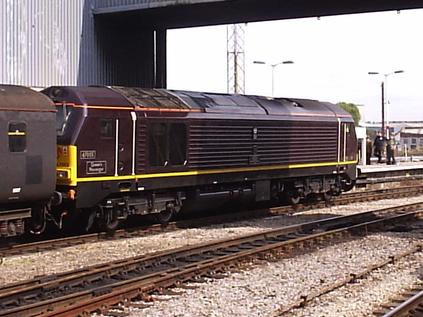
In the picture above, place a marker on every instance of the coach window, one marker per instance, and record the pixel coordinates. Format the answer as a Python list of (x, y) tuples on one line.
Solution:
[(158, 144), (177, 143), (17, 137)]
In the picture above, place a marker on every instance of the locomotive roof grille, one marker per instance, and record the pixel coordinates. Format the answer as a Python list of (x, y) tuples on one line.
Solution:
[(151, 98)]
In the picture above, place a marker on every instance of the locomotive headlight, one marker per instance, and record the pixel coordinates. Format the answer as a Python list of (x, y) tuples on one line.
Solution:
[(62, 174)]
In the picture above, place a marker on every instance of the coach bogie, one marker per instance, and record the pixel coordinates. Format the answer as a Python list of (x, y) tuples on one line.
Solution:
[(13, 227), (38, 221)]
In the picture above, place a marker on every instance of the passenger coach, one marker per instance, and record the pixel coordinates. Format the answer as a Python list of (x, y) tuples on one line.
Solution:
[(27, 159), (124, 151)]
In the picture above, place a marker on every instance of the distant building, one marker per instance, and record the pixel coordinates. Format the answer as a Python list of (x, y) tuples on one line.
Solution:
[(407, 134), (412, 138)]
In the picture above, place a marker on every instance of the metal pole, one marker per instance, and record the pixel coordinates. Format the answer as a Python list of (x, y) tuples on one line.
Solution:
[(385, 87), (383, 108)]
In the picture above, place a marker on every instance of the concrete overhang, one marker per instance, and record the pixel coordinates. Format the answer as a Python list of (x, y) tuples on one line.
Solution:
[(189, 13)]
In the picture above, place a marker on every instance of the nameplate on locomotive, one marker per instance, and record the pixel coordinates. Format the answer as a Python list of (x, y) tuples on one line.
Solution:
[(87, 154), (96, 167)]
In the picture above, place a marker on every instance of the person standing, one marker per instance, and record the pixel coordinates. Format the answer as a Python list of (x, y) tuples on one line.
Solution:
[(390, 146), (368, 150), (379, 145)]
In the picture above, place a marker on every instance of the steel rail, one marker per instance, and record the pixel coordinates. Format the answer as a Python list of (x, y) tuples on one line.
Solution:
[(167, 279), (331, 222), (52, 244), (406, 308), (350, 278), (181, 265)]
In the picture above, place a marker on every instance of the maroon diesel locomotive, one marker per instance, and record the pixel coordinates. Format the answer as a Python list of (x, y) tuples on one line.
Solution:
[(124, 151)]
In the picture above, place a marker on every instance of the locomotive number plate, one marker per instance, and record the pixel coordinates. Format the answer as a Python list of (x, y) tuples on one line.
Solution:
[(96, 167), (87, 155)]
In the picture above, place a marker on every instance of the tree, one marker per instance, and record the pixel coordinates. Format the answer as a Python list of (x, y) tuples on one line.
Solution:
[(352, 109)]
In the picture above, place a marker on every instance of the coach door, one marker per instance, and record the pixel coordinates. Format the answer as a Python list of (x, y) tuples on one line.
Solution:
[(125, 144)]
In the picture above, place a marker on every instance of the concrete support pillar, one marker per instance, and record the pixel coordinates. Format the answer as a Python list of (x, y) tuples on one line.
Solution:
[(160, 59)]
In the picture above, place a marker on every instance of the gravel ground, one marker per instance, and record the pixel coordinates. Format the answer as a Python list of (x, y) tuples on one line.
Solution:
[(18, 268), (261, 290), (367, 295)]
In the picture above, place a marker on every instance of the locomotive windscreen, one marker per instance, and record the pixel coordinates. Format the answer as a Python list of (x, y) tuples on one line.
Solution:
[(62, 117)]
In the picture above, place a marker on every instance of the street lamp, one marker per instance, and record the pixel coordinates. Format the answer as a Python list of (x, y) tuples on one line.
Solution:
[(384, 93), (273, 71)]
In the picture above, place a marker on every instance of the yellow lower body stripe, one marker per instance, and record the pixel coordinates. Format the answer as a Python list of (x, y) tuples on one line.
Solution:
[(212, 171)]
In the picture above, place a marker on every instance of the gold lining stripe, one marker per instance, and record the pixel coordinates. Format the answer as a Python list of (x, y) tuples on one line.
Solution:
[(213, 171), (16, 133)]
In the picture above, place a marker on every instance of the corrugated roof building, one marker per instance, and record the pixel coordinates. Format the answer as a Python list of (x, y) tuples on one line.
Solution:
[(40, 41), (62, 42)]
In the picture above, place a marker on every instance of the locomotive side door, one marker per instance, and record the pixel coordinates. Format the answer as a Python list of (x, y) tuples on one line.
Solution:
[(342, 144), (125, 144)]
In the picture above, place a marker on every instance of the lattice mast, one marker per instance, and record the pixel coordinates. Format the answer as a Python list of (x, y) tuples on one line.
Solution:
[(235, 58)]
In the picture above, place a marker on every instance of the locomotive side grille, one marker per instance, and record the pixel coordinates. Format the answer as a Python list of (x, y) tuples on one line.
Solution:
[(214, 146), (141, 146), (304, 142), (220, 145)]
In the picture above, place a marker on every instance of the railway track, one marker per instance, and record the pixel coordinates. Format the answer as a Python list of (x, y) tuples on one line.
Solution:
[(16, 248), (352, 277), (101, 287), (409, 303)]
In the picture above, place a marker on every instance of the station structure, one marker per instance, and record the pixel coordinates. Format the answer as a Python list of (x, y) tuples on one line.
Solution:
[(123, 42)]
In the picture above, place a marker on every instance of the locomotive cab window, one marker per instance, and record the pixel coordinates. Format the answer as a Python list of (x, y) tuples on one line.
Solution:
[(350, 135), (351, 130), (106, 128), (17, 137), (167, 144)]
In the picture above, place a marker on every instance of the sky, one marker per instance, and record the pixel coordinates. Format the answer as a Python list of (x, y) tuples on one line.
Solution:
[(332, 57)]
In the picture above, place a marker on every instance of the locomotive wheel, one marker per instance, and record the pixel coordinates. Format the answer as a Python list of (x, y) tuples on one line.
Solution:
[(348, 184), (327, 196), (166, 215), (294, 198), (109, 220), (88, 219)]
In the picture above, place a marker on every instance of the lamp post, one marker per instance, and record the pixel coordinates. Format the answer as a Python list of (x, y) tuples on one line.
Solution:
[(383, 93), (273, 71)]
